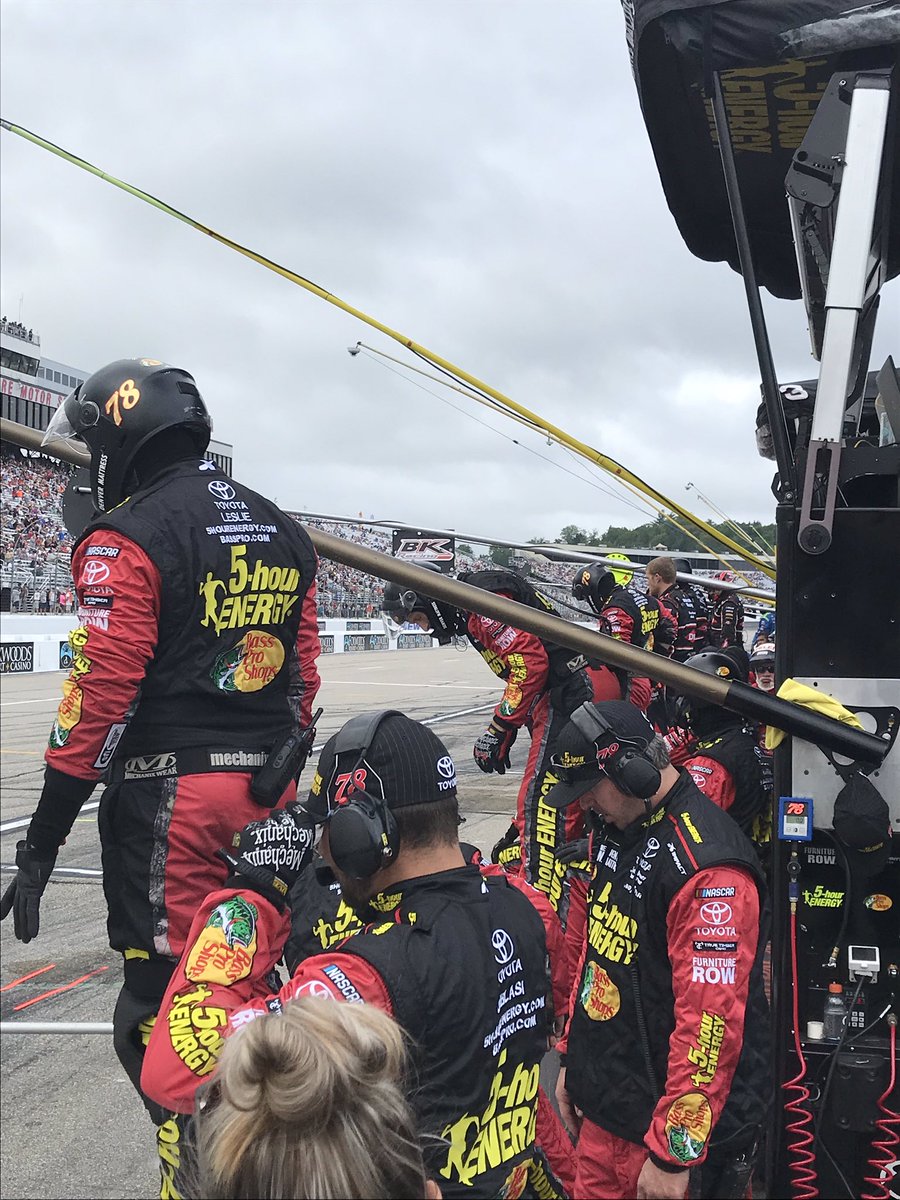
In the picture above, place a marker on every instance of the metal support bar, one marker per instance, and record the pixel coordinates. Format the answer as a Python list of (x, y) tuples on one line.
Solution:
[(848, 281), (738, 697), (104, 1027), (553, 552), (784, 454)]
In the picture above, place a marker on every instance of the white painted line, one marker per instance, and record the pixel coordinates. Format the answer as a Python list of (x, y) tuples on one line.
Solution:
[(462, 687), (464, 712), (44, 700), (24, 822), (91, 872)]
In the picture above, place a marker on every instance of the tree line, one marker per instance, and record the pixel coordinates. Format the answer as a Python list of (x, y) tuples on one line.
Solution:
[(662, 534)]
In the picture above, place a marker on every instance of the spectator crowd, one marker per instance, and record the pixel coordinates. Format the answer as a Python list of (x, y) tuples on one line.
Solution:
[(34, 544), (17, 328), (35, 547)]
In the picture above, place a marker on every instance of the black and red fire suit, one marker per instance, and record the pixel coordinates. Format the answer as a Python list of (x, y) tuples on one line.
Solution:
[(691, 620), (321, 918), (726, 620), (666, 1048), (545, 683), (458, 960), (728, 765), (639, 619), (196, 650)]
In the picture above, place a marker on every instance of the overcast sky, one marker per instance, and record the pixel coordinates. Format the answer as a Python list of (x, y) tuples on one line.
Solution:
[(475, 175)]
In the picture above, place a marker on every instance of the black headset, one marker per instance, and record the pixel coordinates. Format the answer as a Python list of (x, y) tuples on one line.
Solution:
[(362, 833), (627, 764)]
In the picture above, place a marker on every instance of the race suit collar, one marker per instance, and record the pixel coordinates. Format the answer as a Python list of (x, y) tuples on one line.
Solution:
[(457, 879)]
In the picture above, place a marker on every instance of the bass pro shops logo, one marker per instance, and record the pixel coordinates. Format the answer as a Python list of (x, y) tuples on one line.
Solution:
[(250, 665), (260, 594), (225, 950)]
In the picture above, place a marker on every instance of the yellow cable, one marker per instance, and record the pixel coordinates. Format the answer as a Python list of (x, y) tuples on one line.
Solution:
[(588, 452)]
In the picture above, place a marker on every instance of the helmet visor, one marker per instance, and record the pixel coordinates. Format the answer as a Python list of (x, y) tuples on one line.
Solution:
[(397, 607), (68, 423)]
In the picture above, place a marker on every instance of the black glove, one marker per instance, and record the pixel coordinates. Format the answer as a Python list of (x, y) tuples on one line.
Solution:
[(23, 895), (510, 838), (270, 855), (576, 851), (491, 749), (507, 851)]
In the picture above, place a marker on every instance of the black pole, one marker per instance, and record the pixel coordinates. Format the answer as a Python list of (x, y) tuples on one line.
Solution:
[(784, 454)]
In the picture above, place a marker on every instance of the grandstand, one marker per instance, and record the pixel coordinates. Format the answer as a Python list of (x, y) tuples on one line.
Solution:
[(34, 544), (35, 550)]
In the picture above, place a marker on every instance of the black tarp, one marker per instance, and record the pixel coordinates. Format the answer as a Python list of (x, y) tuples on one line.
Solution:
[(776, 60)]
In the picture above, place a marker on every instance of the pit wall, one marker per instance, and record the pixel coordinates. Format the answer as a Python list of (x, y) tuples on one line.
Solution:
[(30, 642)]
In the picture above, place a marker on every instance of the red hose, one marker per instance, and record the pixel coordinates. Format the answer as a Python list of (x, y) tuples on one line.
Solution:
[(802, 1161), (884, 1152)]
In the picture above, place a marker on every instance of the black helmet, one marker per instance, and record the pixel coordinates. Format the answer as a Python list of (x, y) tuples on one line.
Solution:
[(118, 410), (683, 566), (444, 620), (728, 666), (595, 584)]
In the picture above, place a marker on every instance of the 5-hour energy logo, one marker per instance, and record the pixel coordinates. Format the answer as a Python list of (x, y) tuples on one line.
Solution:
[(195, 1029), (251, 595), (501, 1132), (69, 713)]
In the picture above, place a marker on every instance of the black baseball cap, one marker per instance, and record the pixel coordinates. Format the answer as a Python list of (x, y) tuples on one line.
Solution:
[(862, 821), (404, 764), (577, 761)]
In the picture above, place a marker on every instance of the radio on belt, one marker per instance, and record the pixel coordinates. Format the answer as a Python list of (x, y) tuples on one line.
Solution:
[(795, 818)]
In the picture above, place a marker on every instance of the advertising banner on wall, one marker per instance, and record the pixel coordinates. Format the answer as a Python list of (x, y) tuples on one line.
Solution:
[(416, 546), (16, 658)]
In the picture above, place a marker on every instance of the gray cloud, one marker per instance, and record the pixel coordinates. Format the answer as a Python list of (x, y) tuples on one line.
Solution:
[(479, 179)]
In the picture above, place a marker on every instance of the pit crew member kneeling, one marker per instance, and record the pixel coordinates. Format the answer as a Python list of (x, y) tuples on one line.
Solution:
[(457, 959), (665, 1056)]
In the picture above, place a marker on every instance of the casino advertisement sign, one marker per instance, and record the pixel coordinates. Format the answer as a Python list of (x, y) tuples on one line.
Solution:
[(16, 658)]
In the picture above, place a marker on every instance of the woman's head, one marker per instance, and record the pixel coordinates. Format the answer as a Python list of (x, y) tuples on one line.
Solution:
[(310, 1104)]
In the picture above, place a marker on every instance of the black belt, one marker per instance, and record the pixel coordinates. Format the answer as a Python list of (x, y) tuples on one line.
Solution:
[(194, 760)]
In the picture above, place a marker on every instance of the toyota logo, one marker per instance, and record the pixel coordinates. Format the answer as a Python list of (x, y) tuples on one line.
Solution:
[(316, 988), (94, 572), (445, 767), (220, 488), (716, 912), (503, 946)]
